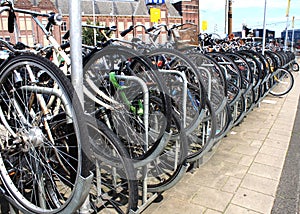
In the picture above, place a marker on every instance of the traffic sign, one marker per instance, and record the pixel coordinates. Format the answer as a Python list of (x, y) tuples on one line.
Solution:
[(154, 14), (204, 25)]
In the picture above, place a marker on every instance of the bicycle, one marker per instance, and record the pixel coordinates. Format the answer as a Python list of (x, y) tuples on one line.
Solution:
[(44, 169)]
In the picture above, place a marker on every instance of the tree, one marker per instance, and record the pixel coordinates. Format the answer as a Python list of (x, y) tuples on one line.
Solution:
[(88, 34)]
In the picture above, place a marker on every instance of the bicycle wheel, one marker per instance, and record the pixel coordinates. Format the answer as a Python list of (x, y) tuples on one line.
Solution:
[(169, 166), (202, 138), (114, 97), (114, 187), (283, 82), (40, 155), (170, 59), (295, 66)]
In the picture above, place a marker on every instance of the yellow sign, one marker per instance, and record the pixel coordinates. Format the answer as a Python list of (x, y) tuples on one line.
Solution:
[(154, 14), (204, 25)]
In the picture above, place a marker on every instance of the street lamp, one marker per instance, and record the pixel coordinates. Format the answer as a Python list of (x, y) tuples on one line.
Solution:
[(264, 27), (287, 24)]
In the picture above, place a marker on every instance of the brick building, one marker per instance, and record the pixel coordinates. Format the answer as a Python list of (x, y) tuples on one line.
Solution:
[(189, 10), (107, 12)]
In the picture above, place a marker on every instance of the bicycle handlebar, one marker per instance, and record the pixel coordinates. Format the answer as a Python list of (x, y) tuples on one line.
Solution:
[(126, 31)]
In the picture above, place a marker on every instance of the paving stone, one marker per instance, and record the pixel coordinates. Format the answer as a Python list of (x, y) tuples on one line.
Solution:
[(234, 209), (246, 160), (279, 124), (209, 211), (269, 160), (208, 178), (253, 135), (231, 185), (235, 170), (227, 168), (246, 150), (263, 131), (269, 150), (253, 200), (278, 137), (183, 190), (212, 198), (256, 143), (175, 206), (228, 156), (277, 130), (265, 171), (227, 144), (260, 184), (277, 144)]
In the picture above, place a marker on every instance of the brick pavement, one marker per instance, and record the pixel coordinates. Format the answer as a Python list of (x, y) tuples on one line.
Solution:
[(243, 172)]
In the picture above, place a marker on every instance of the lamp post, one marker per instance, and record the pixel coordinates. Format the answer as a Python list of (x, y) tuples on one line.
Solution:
[(264, 29), (229, 16), (287, 24), (293, 32), (226, 17)]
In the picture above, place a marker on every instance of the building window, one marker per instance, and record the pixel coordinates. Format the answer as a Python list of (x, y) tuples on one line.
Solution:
[(63, 27), (22, 24), (28, 23)]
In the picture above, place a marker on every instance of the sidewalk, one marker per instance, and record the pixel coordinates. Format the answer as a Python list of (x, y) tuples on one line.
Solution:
[(243, 174)]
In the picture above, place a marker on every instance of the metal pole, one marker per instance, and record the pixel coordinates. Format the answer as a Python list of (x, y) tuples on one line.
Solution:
[(264, 31), (94, 20), (229, 17), (287, 24), (76, 63), (293, 32), (286, 34), (76, 47), (226, 17)]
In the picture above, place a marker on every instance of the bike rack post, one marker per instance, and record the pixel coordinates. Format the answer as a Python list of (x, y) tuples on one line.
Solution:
[(146, 124), (76, 47), (76, 63), (184, 91)]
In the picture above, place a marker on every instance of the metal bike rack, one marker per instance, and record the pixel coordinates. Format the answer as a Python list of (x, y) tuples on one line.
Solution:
[(184, 91), (145, 200)]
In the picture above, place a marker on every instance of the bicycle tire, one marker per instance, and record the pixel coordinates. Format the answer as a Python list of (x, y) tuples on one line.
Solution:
[(281, 87), (202, 139), (170, 166), (295, 66), (114, 187), (122, 119), (170, 59), (40, 169)]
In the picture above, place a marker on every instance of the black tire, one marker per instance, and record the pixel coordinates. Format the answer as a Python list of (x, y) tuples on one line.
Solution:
[(283, 82), (114, 188), (295, 66), (170, 59), (202, 138), (40, 169), (126, 120), (169, 167)]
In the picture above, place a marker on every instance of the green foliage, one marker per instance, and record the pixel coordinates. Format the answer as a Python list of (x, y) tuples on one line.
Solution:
[(88, 34)]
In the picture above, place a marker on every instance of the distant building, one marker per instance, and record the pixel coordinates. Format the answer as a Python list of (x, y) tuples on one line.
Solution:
[(189, 10), (296, 36), (237, 34), (270, 34), (108, 13)]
